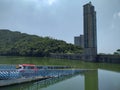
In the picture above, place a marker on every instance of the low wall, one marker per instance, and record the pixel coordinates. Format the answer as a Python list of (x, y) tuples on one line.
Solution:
[(98, 58), (108, 58), (67, 56)]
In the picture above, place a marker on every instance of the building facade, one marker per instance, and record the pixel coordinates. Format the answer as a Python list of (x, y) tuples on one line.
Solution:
[(79, 41), (90, 31), (88, 40)]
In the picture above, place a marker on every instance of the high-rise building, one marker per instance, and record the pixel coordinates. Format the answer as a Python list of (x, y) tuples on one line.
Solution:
[(90, 34), (79, 41), (89, 40)]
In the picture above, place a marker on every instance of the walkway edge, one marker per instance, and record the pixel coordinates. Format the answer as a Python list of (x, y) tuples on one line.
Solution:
[(19, 81)]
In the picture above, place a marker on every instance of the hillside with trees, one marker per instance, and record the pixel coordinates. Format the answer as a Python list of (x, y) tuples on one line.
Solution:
[(22, 44), (117, 52)]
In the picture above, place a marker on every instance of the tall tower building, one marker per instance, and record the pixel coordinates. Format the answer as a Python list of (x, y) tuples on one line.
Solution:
[(90, 35)]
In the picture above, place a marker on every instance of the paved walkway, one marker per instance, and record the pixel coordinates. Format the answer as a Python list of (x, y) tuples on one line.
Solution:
[(20, 80)]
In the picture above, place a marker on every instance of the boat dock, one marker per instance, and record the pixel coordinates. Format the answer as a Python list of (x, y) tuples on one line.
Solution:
[(19, 81), (12, 76)]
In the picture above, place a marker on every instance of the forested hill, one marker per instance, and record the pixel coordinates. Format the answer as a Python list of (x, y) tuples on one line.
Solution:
[(21, 44)]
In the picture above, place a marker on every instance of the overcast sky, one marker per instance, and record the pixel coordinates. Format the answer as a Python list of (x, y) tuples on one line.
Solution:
[(62, 19)]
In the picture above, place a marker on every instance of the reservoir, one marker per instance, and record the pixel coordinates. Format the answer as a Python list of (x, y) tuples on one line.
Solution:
[(103, 77)]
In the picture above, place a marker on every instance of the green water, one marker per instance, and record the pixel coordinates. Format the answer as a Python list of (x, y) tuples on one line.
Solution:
[(104, 77)]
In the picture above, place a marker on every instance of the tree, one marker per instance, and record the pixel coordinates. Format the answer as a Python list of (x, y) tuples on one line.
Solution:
[(117, 52), (16, 43)]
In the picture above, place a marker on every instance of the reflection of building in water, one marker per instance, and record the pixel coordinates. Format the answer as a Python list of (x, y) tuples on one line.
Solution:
[(46, 83), (91, 80)]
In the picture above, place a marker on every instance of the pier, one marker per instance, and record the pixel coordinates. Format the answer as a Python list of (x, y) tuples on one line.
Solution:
[(9, 75)]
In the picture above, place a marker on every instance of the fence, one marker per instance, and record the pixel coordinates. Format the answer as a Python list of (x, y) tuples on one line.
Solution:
[(6, 66), (9, 72), (14, 74)]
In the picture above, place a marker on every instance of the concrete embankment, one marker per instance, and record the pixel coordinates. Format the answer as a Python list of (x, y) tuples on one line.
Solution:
[(81, 57), (20, 80)]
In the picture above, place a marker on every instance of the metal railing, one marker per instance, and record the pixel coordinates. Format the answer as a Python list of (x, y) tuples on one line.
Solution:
[(15, 74), (10, 71), (13, 66), (9, 74), (6, 66)]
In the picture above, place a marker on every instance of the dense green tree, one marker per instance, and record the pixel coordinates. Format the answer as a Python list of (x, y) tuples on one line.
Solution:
[(117, 52), (16, 43)]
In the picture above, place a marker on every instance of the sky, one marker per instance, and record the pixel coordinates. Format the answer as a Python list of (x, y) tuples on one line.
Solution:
[(62, 19)]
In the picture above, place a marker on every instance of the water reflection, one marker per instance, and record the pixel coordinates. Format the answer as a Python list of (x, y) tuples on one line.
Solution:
[(105, 77), (108, 80), (40, 84), (91, 80), (48, 82)]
